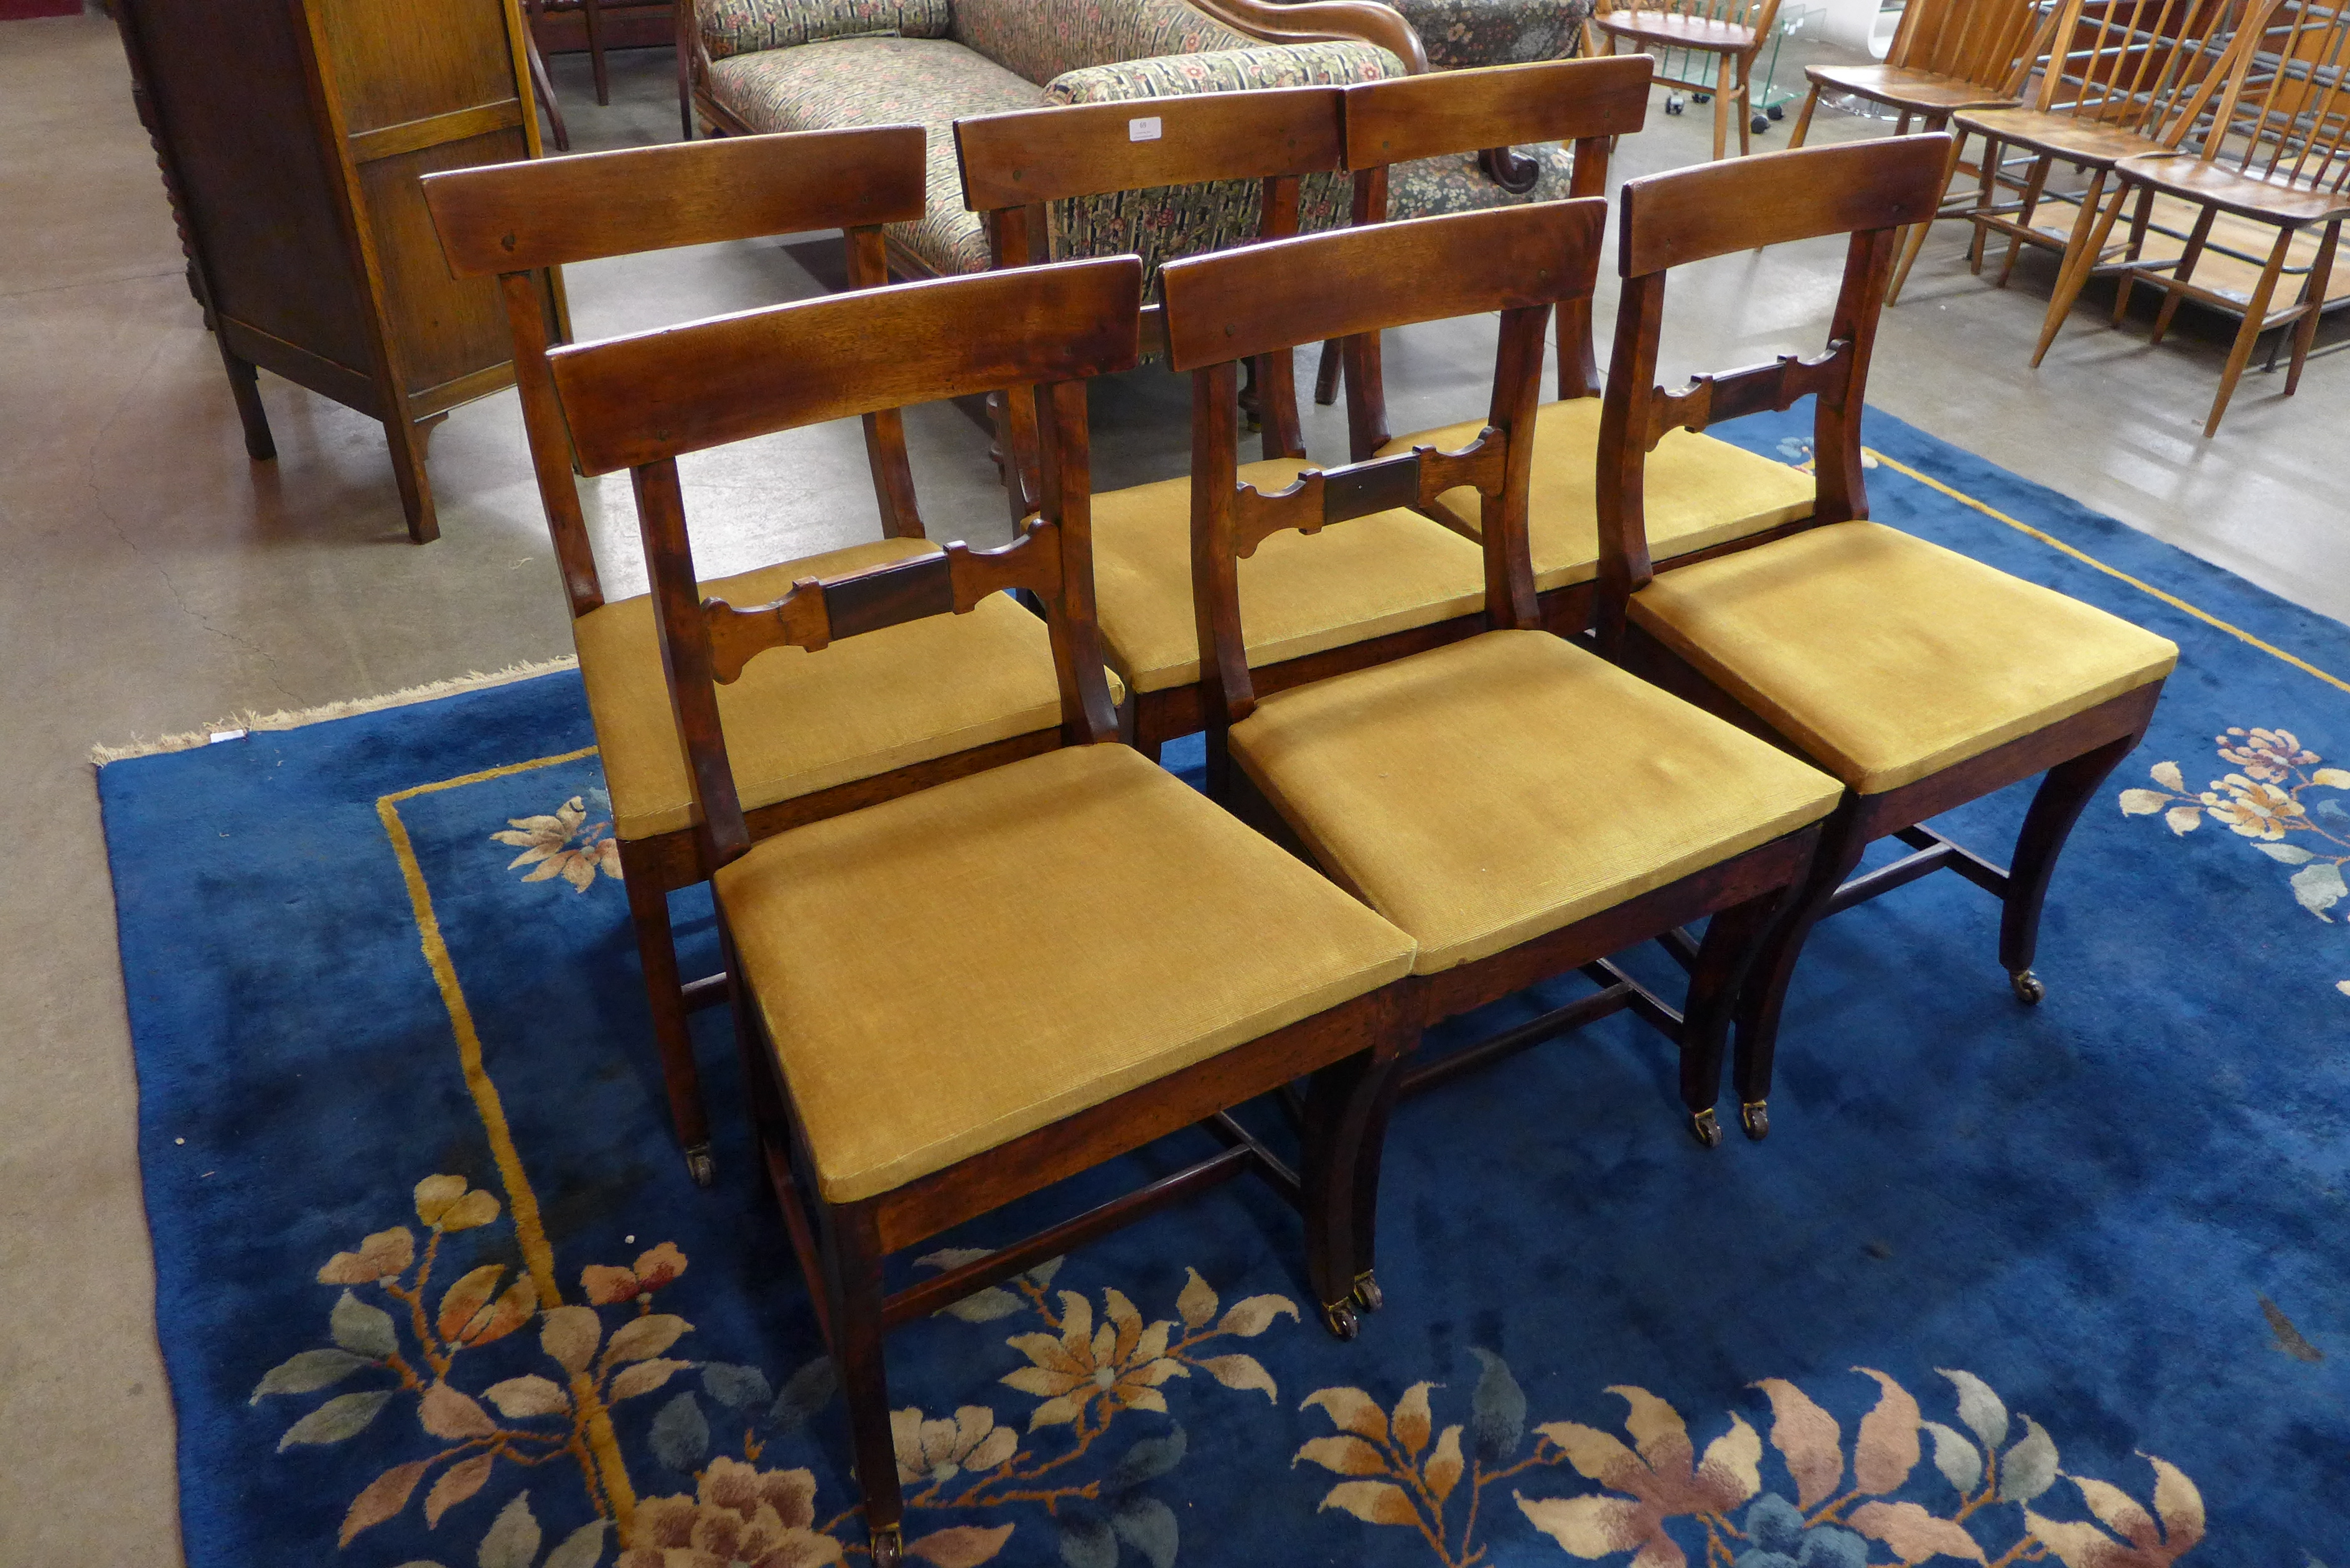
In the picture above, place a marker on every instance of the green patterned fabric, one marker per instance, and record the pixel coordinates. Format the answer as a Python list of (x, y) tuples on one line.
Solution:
[(1433, 187), (884, 81), (1458, 33), (1041, 39), (741, 27), (1161, 225)]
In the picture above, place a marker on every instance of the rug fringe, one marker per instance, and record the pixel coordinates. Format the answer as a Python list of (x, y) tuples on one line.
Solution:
[(475, 680)]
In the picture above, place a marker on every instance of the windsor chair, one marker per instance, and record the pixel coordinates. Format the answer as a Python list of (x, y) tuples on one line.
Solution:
[(1730, 33)]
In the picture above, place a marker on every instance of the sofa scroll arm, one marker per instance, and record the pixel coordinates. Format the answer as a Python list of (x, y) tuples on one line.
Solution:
[(1322, 21)]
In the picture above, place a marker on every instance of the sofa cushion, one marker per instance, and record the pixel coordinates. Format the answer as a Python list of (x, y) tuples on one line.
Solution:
[(1163, 226), (1458, 33), (1039, 41), (740, 26), (884, 81), (1432, 187)]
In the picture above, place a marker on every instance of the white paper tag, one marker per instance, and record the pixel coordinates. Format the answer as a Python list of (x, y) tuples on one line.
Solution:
[(1145, 129), (217, 736)]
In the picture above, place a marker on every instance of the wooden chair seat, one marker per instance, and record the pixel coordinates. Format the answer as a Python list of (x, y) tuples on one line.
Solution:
[(2232, 190), (1906, 87), (1701, 491), (1386, 573), (1487, 792), (2074, 139), (1670, 30), (946, 971), (1831, 636), (797, 722)]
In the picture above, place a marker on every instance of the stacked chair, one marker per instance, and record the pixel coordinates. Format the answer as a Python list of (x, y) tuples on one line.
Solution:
[(1919, 677), (1431, 782), (2277, 157)]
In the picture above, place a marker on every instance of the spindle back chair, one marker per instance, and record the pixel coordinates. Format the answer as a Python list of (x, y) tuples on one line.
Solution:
[(1730, 32), (1457, 791), (1919, 678), (910, 1066)]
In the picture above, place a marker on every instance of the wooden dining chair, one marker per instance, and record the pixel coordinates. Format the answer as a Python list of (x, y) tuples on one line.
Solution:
[(1728, 32), (1405, 582), (2277, 172), (1920, 678), (2123, 78), (957, 997), (1946, 55), (1520, 805), (812, 737), (1705, 491)]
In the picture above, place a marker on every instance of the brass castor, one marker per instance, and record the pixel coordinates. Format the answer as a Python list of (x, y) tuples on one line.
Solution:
[(1705, 1129), (700, 1166), (2028, 989), (1368, 1294), (1754, 1115), (1339, 1318), (890, 1547)]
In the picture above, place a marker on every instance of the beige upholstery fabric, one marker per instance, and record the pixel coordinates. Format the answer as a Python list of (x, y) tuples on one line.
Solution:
[(1699, 493), (1888, 658), (798, 721), (948, 971), (1484, 793), (1299, 594)]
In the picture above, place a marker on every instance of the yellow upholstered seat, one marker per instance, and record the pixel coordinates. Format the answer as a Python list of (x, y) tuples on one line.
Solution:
[(1886, 658), (1484, 793), (1700, 491), (948, 971), (1299, 594), (798, 721)]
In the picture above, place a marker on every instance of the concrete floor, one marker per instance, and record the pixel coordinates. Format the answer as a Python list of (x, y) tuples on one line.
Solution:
[(155, 579)]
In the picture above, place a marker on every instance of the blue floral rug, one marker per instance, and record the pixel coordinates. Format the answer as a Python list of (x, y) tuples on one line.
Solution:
[(2004, 1285)]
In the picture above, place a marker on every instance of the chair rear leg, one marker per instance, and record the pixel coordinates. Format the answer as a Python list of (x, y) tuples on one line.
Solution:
[(2033, 184), (1720, 107), (2081, 253), (1730, 940), (1348, 1106), (2055, 806), (657, 950), (852, 1267), (2174, 289), (2312, 295), (1764, 992), (2141, 216), (1326, 374), (1803, 118), (1916, 240)]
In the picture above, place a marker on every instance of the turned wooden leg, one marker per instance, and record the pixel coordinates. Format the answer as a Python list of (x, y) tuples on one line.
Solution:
[(1986, 197), (1764, 992), (2141, 216), (2055, 806), (657, 952), (2090, 231), (2313, 298), (2256, 315), (852, 1268), (2174, 288), (1720, 107), (2033, 184), (1916, 240), (1732, 937), (1803, 118), (1326, 374)]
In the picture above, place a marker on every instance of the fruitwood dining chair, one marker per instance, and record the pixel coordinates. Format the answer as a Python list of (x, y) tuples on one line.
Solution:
[(1729, 32), (2122, 77), (812, 737), (1520, 805), (957, 997), (1706, 492), (1946, 55), (1400, 583), (1920, 678), (2282, 165)]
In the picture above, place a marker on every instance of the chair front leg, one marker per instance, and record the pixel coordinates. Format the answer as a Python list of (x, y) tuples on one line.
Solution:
[(1347, 1105), (2081, 253), (1916, 240), (852, 1270), (1763, 995), (2256, 315), (1732, 939), (2057, 806)]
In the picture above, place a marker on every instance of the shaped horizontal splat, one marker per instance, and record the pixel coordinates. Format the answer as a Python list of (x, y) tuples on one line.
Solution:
[(1320, 497), (819, 610), (1708, 399)]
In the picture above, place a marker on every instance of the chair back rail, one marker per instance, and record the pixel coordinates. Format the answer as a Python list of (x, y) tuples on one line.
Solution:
[(1867, 191), (2289, 122), (636, 400), (1221, 310), (518, 219), (641, 401), (1029, 156)]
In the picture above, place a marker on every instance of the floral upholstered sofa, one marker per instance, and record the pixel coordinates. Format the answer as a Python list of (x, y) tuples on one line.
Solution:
[(816, 65)]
